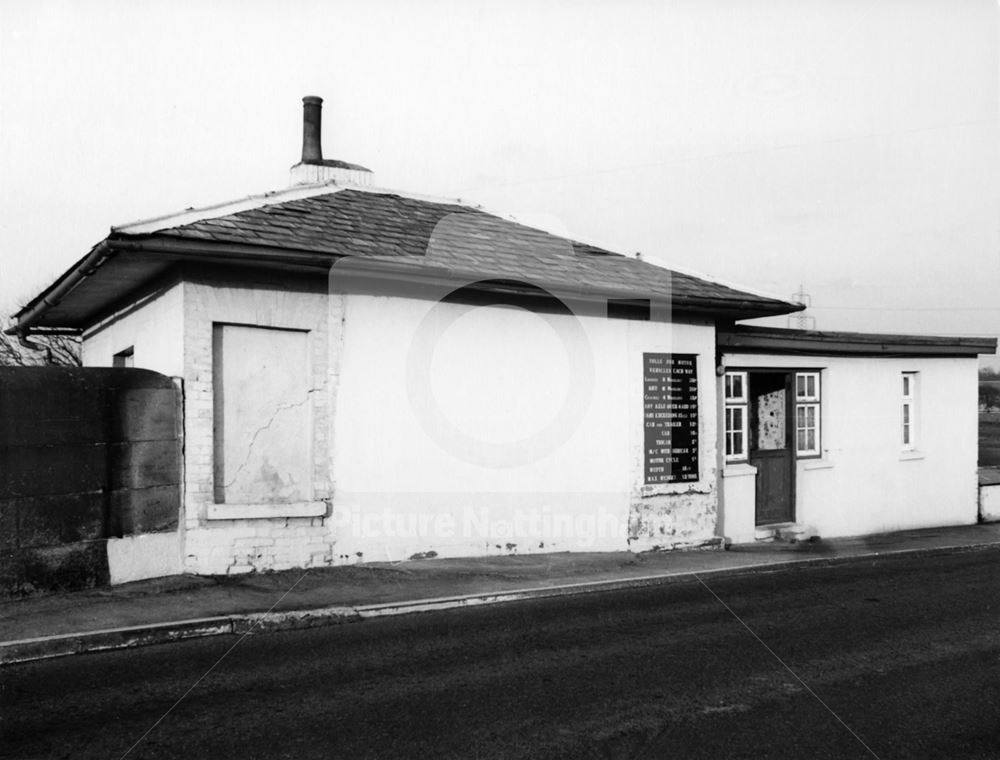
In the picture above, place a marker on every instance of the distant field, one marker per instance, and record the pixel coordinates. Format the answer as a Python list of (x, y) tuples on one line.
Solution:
[(989, 439)]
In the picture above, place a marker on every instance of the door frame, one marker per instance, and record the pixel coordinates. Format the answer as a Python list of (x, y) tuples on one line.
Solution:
[(790, 438)]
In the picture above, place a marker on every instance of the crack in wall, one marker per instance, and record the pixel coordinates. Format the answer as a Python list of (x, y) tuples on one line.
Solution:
[(253, 439)]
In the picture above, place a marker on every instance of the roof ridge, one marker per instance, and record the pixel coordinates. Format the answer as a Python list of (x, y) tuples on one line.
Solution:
[(301, 192), (272, 197), (225, 208)]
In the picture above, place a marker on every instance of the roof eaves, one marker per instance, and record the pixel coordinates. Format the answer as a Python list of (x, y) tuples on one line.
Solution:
[(64, 284), (752, 339), (214, 250), (379, 272)]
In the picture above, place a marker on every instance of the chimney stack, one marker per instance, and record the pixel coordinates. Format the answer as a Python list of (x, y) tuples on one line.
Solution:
[(312, 129), (313, 168)]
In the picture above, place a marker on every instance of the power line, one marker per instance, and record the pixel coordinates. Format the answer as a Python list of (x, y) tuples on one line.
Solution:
[(908, 308), (727, 154)]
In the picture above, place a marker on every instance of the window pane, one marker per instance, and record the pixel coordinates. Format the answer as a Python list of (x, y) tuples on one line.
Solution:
[(807, 428), (734, 386), (805, 415), (807, 386), (735, 431), (906, 385)]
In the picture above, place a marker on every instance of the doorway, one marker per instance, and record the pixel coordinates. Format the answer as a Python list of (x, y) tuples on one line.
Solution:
[(772, 444)]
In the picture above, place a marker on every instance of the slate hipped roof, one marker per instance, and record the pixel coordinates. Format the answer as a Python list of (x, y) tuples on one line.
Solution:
[(462, 238), (314, 228)]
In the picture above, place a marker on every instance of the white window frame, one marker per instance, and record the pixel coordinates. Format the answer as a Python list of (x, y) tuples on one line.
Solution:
[(736, 403), (909, 413), (808, 396)]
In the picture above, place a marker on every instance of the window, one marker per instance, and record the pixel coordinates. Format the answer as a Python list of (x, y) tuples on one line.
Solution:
[(262, 423), (807, 401), (909, 417), (736, 416), (124, 358)]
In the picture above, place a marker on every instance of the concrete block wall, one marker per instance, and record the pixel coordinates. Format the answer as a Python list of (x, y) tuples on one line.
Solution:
[(989, 503), (91, 462)]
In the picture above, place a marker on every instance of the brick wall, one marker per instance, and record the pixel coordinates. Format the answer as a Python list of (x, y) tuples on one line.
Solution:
[(278, 540)]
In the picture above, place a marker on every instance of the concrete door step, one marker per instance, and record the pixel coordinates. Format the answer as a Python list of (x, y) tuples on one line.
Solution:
[(788, 532)]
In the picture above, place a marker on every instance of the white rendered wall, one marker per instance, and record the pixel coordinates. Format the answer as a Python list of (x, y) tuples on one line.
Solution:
[(865, 482), (155, 329), (448, 436)]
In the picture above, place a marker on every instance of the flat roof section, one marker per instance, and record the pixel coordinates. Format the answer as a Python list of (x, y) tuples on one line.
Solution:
[(749, 339)]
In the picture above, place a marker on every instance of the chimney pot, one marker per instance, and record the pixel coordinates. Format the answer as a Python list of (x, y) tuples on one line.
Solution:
[(312, 122), (313, 168)]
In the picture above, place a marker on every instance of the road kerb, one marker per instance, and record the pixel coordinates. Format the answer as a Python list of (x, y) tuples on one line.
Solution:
[(47, 647), (264, 622)]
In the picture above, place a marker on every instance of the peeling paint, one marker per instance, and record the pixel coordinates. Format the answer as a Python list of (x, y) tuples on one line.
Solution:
[(424, 555), (683, 519)]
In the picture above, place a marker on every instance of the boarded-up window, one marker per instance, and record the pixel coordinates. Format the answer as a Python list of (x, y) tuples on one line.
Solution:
[(262, 416)]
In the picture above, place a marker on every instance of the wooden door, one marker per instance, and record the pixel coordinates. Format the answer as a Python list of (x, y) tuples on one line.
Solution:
[(772, 441)]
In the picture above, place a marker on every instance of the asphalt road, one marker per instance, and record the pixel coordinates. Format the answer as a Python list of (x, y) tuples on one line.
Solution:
[(898, 658)]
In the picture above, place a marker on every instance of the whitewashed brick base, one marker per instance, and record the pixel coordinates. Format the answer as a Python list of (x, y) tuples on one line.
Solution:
[(244, 546)]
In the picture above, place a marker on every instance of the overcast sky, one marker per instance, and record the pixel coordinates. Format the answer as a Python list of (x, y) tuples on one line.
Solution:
[(850, 147)]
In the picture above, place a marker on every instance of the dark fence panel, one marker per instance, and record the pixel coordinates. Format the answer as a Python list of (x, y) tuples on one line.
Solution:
[(86, 454)]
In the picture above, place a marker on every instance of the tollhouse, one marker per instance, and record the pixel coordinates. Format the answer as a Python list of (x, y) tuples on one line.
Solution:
[(374, 375)]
